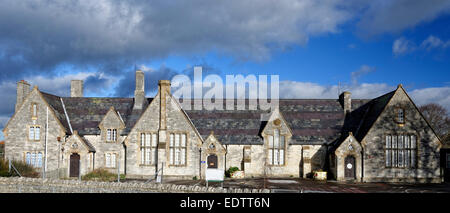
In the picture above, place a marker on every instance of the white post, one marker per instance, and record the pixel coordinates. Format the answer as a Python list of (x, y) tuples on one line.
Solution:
[(79, 169), (118, 168)]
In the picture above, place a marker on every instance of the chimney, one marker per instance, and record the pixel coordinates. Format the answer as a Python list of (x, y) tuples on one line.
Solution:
[(139, 93), (346, 101), (163, 89), (76, 88), (164, 85), (23, 89)]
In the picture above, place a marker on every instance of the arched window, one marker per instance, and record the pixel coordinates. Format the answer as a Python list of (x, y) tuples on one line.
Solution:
[(28, 158), (39, 160), (276, 153)]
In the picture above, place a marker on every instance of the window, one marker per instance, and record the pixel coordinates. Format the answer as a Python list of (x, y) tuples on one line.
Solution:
[(448, 161), (34, 133), (110, 159), (400, 115), (148, 148), (276, 148), (177, 149), (34, 111), (401, 151), (34, 159), (111, 135)]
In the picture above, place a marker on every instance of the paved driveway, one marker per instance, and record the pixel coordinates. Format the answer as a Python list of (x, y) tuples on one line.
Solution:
[(296, 185)]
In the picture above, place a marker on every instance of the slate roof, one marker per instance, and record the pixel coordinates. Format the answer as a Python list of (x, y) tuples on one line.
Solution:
[(312, 121), (360, 120)]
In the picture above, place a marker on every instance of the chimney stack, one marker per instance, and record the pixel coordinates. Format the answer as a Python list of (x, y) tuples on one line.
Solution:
[(139, 93), (346, 101), (164, 85), (76, 88), (23, 89)]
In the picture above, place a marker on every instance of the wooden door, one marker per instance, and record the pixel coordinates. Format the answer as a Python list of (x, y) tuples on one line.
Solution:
[(212, 161), (350, 167), (74, 165)]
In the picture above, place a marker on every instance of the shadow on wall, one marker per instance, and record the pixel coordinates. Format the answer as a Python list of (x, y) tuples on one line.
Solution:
[(318, 162)]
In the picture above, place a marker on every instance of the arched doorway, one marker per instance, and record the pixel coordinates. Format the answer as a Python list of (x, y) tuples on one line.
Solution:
[(350, 167), (212, 161), (74, 165)]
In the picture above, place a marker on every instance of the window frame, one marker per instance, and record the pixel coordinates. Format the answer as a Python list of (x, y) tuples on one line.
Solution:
[(110, 160), (447, 160), (181, 161), (408, 152), (32, 158), (34, 127), (111, 135), (34, 111), (143, 147), (400, 119), (281, 147)]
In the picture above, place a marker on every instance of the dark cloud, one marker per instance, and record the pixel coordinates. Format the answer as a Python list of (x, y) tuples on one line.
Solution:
[(40, 35), (126, 85), (395, 16)]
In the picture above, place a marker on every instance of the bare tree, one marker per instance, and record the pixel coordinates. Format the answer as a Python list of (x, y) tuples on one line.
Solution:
[(439, 119)]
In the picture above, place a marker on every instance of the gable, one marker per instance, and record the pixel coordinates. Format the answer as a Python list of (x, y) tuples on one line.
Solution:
[(178, 119), (216, 145), (148, 120), (76, 143), (276, 121), (23, 114), (414, 122), (112, 120), (349, 145)]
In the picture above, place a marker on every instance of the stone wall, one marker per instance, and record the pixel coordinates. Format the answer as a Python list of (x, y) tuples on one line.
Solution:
[(36, 185)]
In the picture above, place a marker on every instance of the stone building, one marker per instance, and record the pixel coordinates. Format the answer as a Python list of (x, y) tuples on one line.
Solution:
[(382, 139)]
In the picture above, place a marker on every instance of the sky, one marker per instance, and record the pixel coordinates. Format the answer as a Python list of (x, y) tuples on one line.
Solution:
[(317, 47)]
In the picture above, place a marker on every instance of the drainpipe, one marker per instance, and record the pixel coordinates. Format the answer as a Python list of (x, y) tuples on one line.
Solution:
[(46, 139), (362, 165), (93, 160)]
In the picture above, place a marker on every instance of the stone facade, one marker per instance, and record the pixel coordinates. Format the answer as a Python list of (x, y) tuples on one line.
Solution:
[(144, 138), (428, 144)]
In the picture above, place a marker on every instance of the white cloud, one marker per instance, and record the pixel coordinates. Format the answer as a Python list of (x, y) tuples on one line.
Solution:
[(307, 90), (439, 95), (363, 70), (402, 46), (433, 42), (295, 89), (93, 83)]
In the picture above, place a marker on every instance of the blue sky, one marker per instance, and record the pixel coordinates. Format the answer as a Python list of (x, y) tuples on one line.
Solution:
[(367, 47)]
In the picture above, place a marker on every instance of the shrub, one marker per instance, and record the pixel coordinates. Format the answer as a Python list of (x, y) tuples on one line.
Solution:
[(230, 171), (24, 169), (4, 169), (101, 174)]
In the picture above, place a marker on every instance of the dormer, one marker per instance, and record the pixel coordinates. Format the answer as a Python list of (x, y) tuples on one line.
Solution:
[(111, 126)]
